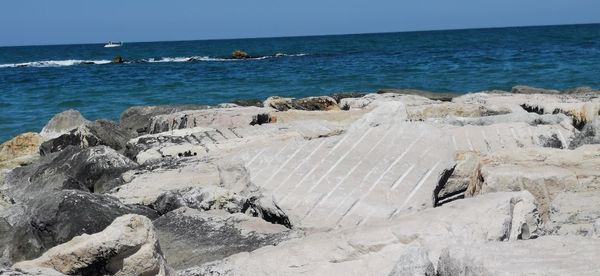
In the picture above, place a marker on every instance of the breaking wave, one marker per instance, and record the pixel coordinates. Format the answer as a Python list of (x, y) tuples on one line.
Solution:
[(72, 62), (53, 63)]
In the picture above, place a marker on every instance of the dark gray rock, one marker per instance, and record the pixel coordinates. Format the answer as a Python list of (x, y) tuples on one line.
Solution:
[(53, 218), (93, 169), (138, 118), (189, 237), (438, 96), (101, 132), (523, 89), (589, 134), (249, 102)]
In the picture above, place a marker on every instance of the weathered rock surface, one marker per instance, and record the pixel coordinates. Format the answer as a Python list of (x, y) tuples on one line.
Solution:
[(62, 123), (590, 134), (549, 174), (19, 151), (101, 132), (190, 237), (52, 218), (138, 118), (94, 169), (523, 89), (128, 246), (322, 103), (381, 248), (549, 255)]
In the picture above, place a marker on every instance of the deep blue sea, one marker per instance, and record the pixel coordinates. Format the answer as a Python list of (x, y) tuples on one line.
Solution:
[(37, 82)]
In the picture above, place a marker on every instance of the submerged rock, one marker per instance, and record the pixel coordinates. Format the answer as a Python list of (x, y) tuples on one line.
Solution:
[(101, 132), (523, 89), (128, 246), (62, 123), (239, 54), (117, 60)]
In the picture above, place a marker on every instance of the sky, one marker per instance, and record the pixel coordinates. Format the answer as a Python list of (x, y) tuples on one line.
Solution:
[(41, 22)]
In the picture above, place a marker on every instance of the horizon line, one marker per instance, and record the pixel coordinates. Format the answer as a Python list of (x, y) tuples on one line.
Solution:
[(313, 35)]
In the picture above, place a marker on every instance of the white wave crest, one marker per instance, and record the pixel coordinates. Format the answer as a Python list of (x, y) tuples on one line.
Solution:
[(53, 63)]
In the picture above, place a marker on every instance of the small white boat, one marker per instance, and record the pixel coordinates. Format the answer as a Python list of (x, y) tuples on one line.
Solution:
[(113, 45)]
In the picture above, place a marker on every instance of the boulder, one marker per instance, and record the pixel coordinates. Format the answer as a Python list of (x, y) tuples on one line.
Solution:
[(19, 151), (338, 97), (239, 54), (414, 260), (35, 271), (101, 132), (62, 123), (95, 169), (248, 102), (455, 183), (322, 103), (191, 237), (53, 218), (445, 109), (523, 89), (128, 246), (138, 118), (549, 255), (590, 134)]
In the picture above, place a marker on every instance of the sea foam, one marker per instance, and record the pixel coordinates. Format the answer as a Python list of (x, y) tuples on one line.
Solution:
[(54, 63)]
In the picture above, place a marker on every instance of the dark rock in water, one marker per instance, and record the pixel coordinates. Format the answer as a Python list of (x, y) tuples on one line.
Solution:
[(437, 96), (138, 118), (344, 95), (117, 59), (94, 169), (190, 237), (101, 132), (589, 134), (56, 217), (239, 54), (250, 102), (523, 89)]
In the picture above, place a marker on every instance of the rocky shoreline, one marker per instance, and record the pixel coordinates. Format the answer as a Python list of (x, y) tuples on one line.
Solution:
[(398, 182)]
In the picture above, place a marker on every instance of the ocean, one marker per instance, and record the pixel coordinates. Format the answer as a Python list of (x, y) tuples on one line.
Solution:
[(37, 82)]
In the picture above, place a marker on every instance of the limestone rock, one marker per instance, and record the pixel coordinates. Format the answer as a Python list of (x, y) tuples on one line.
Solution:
[(436, 96), (414, 261), (53, 218), (93, 169), (209, 118), (441, 110), (23, 145), (128, 246), (460, 180), (590, 134), (278, 103), (101, 132), (549, 255), (62, 123), (190, 237), (379, 249), (138, 118)]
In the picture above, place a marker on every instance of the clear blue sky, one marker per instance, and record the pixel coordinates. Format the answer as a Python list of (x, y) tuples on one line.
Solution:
[(28, 22)]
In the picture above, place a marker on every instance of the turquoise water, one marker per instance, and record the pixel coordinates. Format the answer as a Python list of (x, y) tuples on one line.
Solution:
[(38, 81)]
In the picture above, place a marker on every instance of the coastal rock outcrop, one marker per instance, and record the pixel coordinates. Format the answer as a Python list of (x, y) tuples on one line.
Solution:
[(377, 249), (239, 54), (101, 132), (62, 123), (19, 151), (139, 118), (323, 103), (550, 255), (191, 237), (524, 89), (128, 246), (52, 218), (94, 169)]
